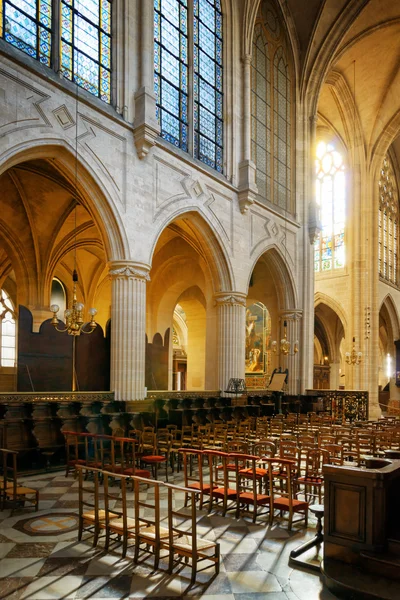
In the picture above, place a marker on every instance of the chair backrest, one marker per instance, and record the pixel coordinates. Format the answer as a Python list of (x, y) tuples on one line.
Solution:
[(180, 523), (315, 459), (264, 448), (112, 497), (9, 469), (335, 453), (88, 496), (123, 455), (287, 470), (192, 475), (147, 505)]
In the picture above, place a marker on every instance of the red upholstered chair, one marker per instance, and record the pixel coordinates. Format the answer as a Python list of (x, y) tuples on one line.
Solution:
[(284, 496), (247, 477), (313, 480), (224, 492), (193, 474), (123, 458), (152, 456)]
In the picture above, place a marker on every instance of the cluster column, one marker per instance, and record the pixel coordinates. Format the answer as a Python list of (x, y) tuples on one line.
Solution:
[(128, 318), (231, 313), (291, 360)]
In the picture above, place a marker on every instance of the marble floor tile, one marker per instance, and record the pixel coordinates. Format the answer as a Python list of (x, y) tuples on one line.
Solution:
[(20, 567), (52, 588)]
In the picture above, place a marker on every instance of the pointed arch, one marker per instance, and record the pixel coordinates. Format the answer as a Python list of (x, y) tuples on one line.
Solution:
[(282, 276), (388, 307)]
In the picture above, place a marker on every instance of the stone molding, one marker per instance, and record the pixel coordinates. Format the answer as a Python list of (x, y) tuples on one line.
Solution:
[(134, 271), (229, 299)]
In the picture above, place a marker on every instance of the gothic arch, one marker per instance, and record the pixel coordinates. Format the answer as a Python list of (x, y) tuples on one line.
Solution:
[(388, 308), (91, 189), (206, 236), (321, 298), (281, 273)]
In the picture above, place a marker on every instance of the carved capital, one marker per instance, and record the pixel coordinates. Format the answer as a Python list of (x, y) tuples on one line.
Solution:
[(230, 299), (291, 315), (129, 270)]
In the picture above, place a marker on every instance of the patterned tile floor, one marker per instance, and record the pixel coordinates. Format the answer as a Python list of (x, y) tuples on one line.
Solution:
[(41, 559)]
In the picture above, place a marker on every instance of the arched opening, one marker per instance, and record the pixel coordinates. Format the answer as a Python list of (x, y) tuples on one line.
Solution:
[(47, 229), (188, 268), (329, 368), (270, 295)]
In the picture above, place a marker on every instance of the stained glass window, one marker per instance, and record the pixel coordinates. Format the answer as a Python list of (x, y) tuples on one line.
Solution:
[(329, 248), (261, 112), (271, 99), (175, 39), (7, 330), (388, 223), (282, 133), (86, 45), (171, 69), (208, 91), (26, 24)]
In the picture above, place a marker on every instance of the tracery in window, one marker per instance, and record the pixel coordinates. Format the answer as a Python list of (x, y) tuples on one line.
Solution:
[(271, 99), (177, 41), (86, 45), (7, 330), (26, 24), (388, 223), (331, 198)]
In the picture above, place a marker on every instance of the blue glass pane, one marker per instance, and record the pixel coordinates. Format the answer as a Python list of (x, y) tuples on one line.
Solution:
[(27, 26), (208, 83), (86, 36), (171, 69)]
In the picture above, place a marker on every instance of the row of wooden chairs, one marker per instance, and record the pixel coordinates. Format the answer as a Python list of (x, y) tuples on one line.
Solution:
[(145, 528), (244, 483)]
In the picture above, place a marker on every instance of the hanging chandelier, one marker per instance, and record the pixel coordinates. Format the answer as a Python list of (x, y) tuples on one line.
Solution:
[(285, 345), (74, 321), (353, 357)]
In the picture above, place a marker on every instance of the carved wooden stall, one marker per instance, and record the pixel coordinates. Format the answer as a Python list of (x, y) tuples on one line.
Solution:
[(343, 405)]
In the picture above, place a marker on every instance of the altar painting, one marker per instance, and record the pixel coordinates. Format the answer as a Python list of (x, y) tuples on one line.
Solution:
[(258, 333)]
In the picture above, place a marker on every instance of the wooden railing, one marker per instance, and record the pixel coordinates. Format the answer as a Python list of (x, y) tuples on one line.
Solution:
[(343, 405)]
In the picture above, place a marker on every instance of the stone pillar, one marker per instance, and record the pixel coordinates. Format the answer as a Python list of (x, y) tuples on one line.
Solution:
[(128, 323), (231, 313), (146, 127), (247, 169), (291, 360)]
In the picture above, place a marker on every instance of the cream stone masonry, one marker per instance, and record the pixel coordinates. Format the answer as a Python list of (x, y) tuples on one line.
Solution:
[(128, 314), (231, 313)]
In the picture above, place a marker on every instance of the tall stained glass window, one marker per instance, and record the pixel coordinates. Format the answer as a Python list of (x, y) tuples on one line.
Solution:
[(282, 131), (261, 112), (331, 199), (26, 24), (271, 100), (388, 223), (7, 330), (86, 45), (208, 104), (176, 40), (171, 69)]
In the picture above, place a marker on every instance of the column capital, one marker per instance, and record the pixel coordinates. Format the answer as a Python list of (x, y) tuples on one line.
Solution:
[(291, 314), (128, 270), (230, 299), (246, 59)]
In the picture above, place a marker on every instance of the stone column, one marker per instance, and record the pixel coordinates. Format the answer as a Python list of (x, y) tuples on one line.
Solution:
[(128, 322), (291, 360), (146, 127), (231, 313), (247, 169)]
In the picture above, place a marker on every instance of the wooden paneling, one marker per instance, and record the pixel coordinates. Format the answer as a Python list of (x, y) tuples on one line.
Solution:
[(347, 513)]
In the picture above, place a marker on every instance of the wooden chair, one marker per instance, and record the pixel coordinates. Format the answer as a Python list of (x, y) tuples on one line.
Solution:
[(223, 492), (151, 455), (335, 453), (148, 518), (116, 521), (12, 493), (123, 458), (193, 477), (183, 542), (313, 480), (247, 482), (72, 456), (90, 517), (283, 498)]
